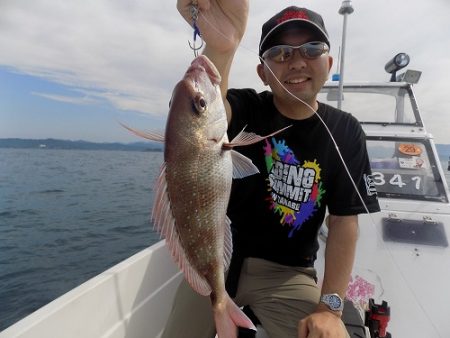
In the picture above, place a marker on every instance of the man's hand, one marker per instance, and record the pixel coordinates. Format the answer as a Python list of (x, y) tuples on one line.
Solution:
[(222, 23), (322, 324)]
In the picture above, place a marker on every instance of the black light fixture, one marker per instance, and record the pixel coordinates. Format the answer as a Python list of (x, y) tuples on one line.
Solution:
[(398, 62)]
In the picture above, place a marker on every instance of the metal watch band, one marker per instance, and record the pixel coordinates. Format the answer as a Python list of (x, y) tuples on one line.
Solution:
[(333, 301)]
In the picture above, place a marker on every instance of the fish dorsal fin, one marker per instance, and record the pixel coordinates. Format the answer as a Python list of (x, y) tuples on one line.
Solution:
[(245, 139), (149, 135), (164, 223), (242, 165)]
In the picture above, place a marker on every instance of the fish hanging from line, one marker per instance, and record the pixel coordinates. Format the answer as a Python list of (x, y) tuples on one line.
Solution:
[(194, 185)]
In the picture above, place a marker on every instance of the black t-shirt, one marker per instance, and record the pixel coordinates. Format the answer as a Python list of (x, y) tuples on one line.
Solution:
[(276, 214)]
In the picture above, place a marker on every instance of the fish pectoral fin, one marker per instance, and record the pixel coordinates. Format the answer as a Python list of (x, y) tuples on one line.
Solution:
[(149, 135), (245, 139), (242, 165)]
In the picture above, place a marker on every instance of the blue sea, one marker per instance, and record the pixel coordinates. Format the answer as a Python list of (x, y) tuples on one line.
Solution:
[(68, 215)]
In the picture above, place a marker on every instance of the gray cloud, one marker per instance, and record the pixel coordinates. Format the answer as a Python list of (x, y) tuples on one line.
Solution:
[(131, 53), (115, 50)]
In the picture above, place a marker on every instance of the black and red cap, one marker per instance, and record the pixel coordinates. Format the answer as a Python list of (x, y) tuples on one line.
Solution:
[(292, 17)]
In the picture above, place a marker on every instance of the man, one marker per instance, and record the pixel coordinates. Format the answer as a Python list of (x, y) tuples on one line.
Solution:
[(276, 214)]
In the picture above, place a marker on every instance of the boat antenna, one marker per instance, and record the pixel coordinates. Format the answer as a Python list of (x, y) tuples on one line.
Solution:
[(345, 10), (338, 69)]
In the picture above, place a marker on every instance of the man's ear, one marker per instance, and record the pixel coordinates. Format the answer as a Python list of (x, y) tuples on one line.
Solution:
[(261, 73), (330, 62)]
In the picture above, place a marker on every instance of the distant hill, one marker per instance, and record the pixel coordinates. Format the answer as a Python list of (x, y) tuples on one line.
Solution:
[(80, 145), (50, 143)]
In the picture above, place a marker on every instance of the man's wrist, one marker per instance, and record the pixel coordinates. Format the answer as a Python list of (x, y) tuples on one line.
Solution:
[(321, 307)]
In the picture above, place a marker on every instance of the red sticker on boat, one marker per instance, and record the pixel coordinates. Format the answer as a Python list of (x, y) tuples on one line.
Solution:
[(410, 149)]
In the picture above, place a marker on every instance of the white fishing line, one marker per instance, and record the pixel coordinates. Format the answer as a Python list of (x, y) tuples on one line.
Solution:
[(309, 107), (372, 221)]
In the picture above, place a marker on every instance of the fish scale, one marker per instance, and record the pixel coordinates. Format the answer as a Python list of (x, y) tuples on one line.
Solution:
[(197, 188)]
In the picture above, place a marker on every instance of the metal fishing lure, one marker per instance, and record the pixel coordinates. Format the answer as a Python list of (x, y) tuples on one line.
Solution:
[(194, 17)]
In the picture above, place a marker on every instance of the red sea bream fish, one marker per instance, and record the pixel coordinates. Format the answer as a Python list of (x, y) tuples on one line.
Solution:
[(194, 185)]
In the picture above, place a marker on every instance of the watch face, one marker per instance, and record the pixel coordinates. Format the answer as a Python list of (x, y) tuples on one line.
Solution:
[(335, 302)]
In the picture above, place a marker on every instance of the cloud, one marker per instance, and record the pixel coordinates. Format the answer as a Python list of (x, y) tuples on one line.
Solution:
[(132, 53), (67, 99), (116, 50)]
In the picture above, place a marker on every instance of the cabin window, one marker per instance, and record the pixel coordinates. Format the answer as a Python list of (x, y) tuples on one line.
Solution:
[(405, 168)]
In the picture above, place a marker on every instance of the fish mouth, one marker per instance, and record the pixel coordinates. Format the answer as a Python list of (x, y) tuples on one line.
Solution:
[(201, 64)]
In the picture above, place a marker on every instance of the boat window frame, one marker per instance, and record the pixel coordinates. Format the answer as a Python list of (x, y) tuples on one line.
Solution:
[(441, 196), (402, 91)]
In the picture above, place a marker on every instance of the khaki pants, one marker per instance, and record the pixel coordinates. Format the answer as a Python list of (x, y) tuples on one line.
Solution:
[(278, 295)]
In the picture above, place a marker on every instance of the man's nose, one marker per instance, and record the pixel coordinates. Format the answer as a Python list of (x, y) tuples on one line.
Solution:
[(297, 60)]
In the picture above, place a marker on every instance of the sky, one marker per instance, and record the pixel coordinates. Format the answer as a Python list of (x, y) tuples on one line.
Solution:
[(72, 69)]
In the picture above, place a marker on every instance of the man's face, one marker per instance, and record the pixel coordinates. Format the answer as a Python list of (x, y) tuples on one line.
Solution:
[(302, 77)]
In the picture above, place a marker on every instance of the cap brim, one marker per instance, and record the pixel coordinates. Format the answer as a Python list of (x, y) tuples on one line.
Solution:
[(295, 23)]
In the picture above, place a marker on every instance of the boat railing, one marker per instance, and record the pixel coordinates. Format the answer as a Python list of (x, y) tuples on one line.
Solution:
[(376, 103)]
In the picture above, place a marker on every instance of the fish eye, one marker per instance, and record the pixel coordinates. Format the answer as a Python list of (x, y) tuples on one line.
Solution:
[(200, 104)]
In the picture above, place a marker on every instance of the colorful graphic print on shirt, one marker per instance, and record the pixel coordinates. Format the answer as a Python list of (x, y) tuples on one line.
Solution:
[(295, 190)]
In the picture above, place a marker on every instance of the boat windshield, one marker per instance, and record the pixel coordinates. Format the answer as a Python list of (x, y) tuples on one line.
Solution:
[(405, 168), (388, 104)]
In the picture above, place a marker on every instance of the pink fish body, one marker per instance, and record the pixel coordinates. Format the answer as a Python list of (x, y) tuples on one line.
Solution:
[(194, 187)]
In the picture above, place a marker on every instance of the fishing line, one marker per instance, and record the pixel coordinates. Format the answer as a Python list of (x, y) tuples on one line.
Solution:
[(309, 107), (372, 221)]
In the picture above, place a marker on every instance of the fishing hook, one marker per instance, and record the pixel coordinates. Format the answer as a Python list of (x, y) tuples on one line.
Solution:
[(194, 16)]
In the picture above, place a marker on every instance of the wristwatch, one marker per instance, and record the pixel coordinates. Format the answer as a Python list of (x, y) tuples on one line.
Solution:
[(333, 301)]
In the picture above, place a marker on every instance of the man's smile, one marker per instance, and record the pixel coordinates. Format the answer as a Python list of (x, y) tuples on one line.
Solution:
[(296, 80)]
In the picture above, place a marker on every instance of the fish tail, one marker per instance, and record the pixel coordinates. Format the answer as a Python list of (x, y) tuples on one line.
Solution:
[(228, 318)]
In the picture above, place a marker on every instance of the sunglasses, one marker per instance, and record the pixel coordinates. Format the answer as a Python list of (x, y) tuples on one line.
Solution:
[(283, 53)]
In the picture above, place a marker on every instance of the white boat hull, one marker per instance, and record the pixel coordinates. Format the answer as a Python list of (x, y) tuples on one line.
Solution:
[(132, 299), (412, 278)]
